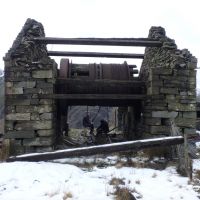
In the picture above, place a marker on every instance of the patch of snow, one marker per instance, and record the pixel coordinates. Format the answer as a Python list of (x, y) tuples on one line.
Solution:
[(45, 180), (198, 145)]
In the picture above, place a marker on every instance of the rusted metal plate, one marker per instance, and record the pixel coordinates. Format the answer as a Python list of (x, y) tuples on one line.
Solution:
[(92, 71), (64, 68)]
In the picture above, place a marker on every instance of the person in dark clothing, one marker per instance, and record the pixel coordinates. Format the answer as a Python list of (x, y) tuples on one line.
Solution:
[(103, 128), (86, 122)]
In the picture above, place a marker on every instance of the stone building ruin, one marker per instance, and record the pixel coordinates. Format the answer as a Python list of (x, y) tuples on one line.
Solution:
[(37, 92)]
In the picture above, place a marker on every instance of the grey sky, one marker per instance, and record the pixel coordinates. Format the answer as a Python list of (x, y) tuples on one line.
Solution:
[(103, 18)]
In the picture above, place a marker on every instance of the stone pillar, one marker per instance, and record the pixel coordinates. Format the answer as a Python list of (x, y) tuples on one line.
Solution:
[(29, 73), (170, 78)]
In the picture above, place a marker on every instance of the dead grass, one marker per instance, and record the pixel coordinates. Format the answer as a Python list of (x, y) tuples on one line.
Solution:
[(123, 194), (154, 175), (157, 152), (117, 181), (67, 195), (138, 182), (197, 174)]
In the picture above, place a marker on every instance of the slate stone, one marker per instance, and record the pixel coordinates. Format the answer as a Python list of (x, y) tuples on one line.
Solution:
[(33, 125), (45, 133), (165, 114), (18, 116), (42, 74), (19, 134), (39, 141)]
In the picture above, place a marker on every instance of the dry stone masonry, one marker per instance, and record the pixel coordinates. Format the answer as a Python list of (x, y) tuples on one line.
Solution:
[(30, 119), (29, 72), (170, 78)]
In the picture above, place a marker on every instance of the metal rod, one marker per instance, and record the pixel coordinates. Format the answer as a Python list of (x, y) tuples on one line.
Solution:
[(142, 42), (95, 54)]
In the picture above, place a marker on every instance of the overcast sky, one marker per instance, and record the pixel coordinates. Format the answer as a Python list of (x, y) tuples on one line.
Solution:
[(103, 18)]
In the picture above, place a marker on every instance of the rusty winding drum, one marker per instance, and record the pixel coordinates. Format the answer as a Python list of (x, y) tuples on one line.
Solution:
[(96, 71)]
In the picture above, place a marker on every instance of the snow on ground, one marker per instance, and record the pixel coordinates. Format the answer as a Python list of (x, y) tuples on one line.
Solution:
[(59, 181)]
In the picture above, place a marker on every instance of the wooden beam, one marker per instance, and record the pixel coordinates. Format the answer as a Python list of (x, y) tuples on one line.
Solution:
[(95, 54), (102, 86), (101, 149), (135, 82), (142, 42), (93, 96)]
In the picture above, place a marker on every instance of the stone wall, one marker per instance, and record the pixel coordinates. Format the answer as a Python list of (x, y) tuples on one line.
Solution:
[(29, 72), (170, 78)]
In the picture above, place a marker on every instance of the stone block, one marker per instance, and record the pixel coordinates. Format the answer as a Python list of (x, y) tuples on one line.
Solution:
[(153, 91), (38, 91), (42, 84), (161, 71), (152, 121), (46, 116), (185, 122), (192, 73), (168, 90), (8, 84), (165, 130), (32, 91), (153, 77), (45, 133), (9, 125), (25, 84), (192, 80), (181, 72), (47, 90), (39, 141), (18, 116), (18, 101), (35, 116), (181, 107), (46, 101), (33, 125), (165, 114), (43, 149), (42, 74), (33, 109), (190, 131), (29, 149), (170, 97), (9, 109), (157, 83), (188, 101), (14, 90), (19, 134), (34, 101), (191, 115), (155, 107), (185, 97), (191, 65), (178, 78)]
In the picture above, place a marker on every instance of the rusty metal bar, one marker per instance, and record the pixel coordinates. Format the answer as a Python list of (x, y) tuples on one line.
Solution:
[(141, 42), (95, 54)]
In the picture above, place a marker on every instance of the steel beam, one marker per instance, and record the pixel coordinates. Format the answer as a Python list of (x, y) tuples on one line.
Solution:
[(141, 42), (95, 54)]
